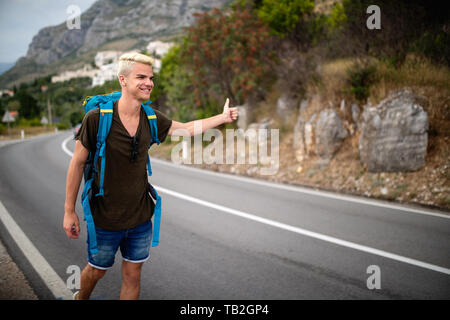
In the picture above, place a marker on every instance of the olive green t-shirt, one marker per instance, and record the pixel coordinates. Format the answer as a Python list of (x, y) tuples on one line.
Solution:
[(126, 202)]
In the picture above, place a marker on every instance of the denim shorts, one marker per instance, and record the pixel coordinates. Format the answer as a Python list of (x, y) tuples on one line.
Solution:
[(134, 245)]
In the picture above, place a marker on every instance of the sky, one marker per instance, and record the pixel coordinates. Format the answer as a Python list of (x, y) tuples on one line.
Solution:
[(20, 20)]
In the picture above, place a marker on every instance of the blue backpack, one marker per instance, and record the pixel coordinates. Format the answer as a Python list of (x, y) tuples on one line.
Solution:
[(105, 104)]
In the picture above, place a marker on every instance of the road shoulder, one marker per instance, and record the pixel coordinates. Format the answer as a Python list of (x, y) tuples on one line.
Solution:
[(14, 285)]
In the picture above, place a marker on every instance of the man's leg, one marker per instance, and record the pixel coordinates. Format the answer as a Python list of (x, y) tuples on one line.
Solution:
[(89, 278), (108, 243), (131, 280), (135, 249)]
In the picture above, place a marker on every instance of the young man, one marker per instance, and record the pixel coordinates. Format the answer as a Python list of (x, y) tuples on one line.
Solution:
[(122, 216)]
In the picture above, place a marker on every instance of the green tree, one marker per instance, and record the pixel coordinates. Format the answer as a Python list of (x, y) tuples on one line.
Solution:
[(337, 17), (28, 105), (228, 54), (175, 82), (283, 16), (76, 117), (13, 104)]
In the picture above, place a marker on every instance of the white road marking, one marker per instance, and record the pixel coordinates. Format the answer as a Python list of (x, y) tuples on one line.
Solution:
[(64, 146), (56, 285), (297, 230), (401, 209), (304, 232)]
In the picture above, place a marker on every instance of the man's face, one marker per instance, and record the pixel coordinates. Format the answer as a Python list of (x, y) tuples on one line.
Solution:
[(139, 83)]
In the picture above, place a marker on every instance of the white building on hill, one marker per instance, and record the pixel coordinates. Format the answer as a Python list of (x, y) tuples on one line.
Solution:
[(106, 57), (158, 48), (86, 71), (107, 64), (107, 72)]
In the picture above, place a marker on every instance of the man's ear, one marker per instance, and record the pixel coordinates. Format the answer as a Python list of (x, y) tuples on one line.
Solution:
[(122, 80)]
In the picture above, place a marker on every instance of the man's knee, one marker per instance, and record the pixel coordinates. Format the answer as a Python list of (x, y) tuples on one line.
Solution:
[(131, 272), (94, 273)]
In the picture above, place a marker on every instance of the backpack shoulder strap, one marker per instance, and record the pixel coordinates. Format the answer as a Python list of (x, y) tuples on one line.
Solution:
[(104, 126), (152, 120)]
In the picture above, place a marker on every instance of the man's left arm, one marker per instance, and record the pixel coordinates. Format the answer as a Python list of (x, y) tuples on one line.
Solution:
[(199, 126)]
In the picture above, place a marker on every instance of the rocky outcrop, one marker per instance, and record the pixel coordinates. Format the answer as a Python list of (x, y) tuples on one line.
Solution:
[(355, 113), (322, 135), (330, 133), (299, 133), (394, 133)]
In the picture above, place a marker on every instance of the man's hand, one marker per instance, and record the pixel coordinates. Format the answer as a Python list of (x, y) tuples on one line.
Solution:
[(71, 225), (229, 114), (190, 128)]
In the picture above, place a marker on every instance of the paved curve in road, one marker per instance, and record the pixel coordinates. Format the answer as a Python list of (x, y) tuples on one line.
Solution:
[(235, 238)]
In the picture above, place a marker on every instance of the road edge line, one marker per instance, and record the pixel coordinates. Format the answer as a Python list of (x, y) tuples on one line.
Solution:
[(51, 279)]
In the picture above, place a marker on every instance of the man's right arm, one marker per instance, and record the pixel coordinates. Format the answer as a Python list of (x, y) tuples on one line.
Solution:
[(71, 222)]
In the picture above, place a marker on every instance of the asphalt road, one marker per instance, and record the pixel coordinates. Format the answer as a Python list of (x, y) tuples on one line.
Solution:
[(228, 238)]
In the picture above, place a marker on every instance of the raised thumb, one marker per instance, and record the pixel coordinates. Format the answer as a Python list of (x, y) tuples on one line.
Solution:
[(225, 107)]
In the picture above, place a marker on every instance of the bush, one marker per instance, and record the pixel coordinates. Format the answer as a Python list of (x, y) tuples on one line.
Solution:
[(336, 18), (435, 46), (360, 79), (63, 126), (34, 122)]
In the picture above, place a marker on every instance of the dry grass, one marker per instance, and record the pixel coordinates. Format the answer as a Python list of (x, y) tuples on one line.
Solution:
[(415, 72), (333, 78), (15, 132)]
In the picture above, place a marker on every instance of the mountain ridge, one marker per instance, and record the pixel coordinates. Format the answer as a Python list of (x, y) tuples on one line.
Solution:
[(106, 25)]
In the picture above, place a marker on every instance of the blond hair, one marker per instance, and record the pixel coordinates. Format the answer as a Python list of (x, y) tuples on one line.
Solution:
[(127, 60)]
